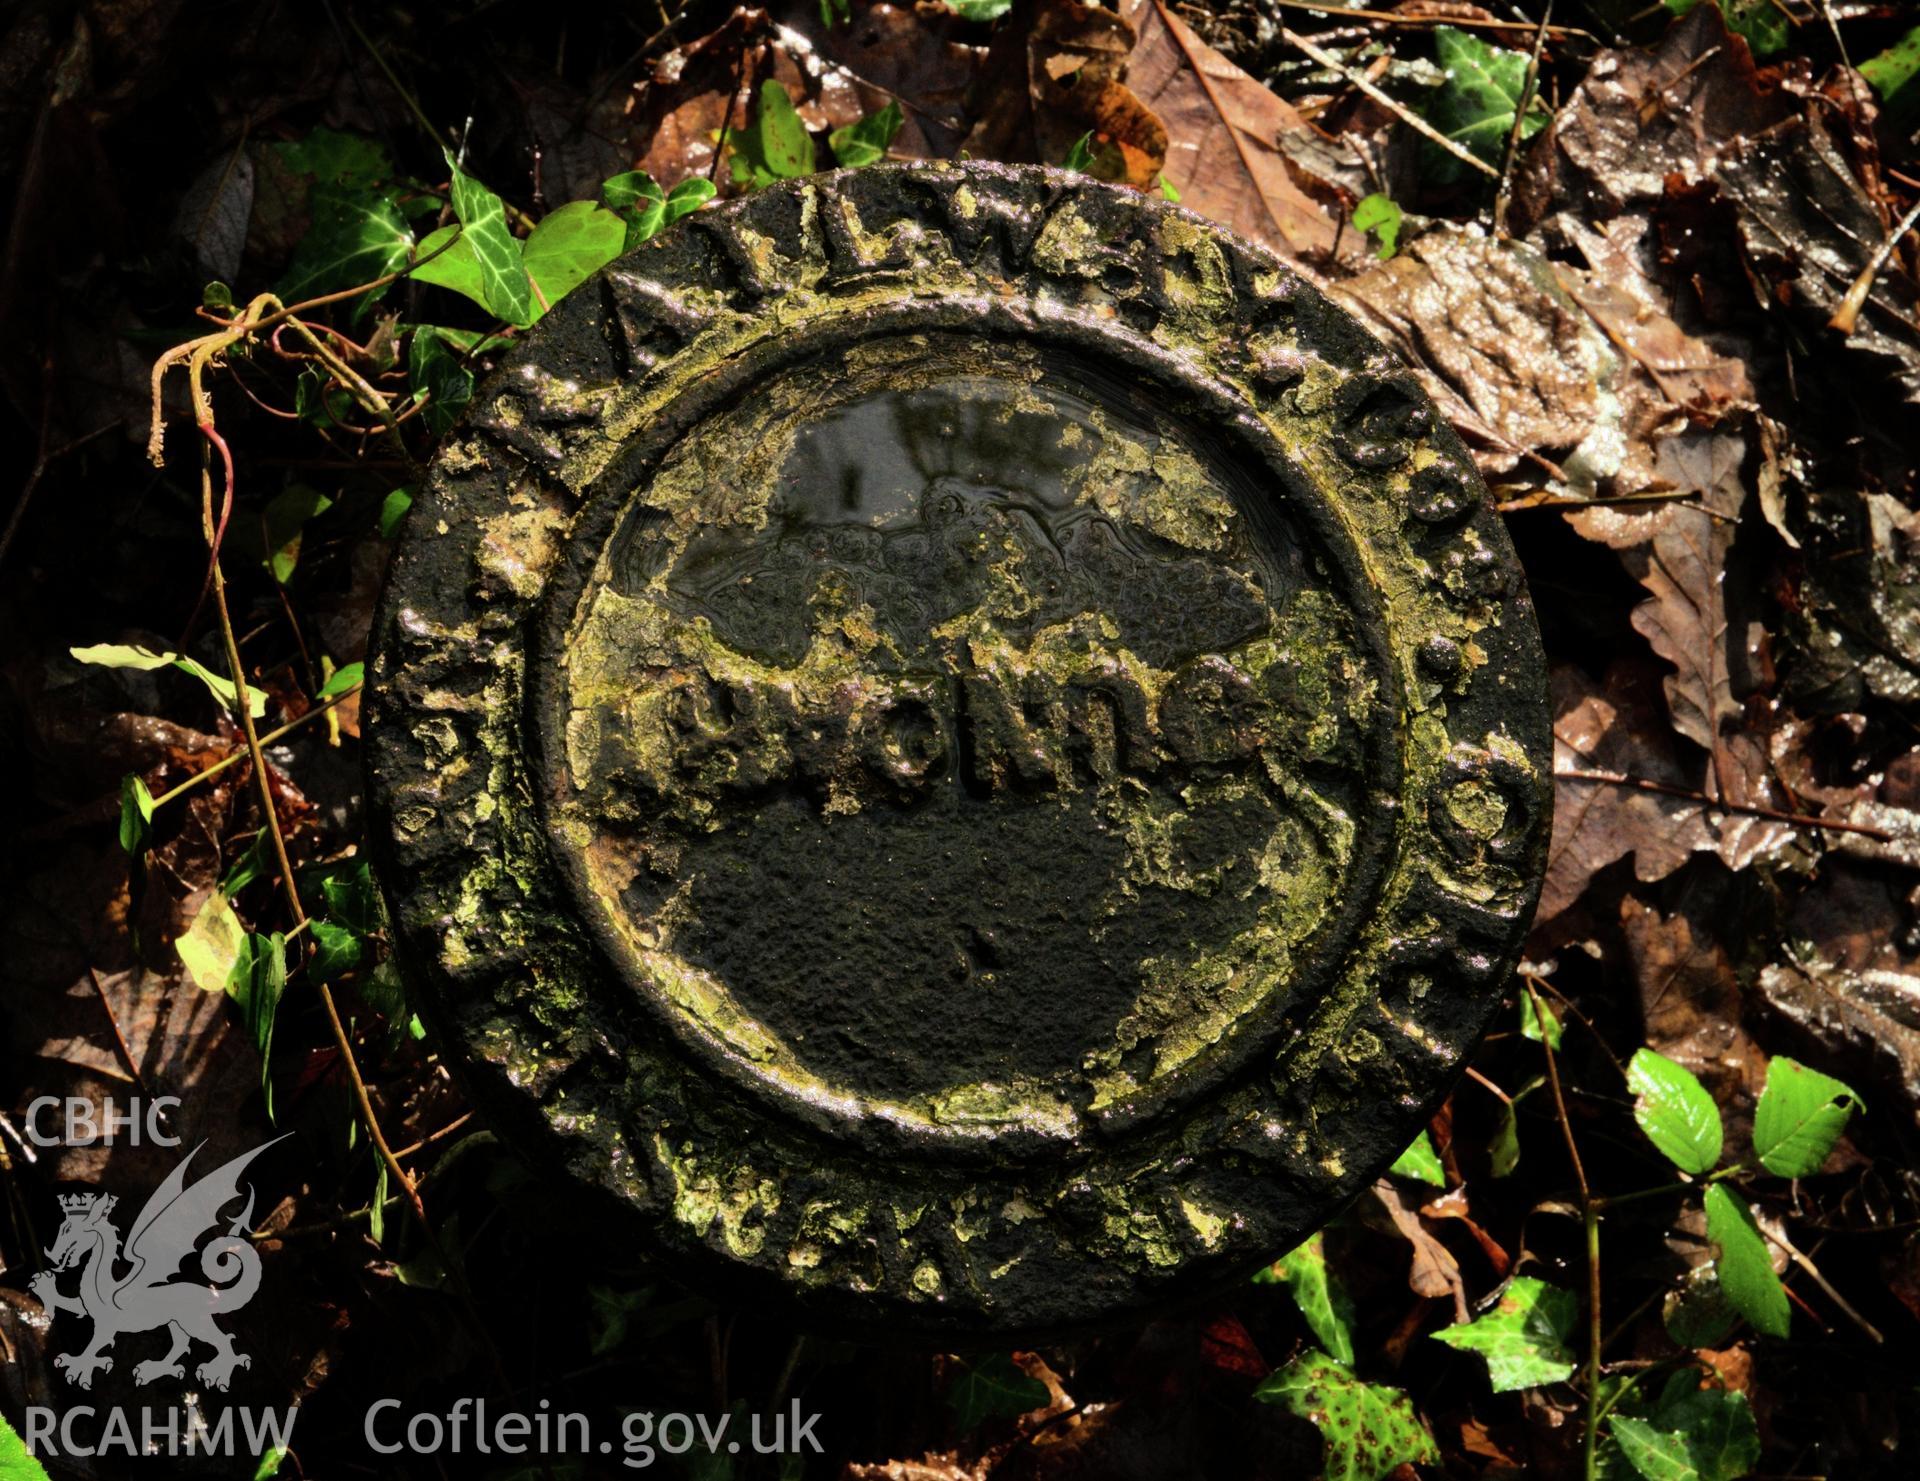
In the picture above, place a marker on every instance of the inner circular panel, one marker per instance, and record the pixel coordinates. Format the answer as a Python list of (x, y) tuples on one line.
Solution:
[(949, 735)]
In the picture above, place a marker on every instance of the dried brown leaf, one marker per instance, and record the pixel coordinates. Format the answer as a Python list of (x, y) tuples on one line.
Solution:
[(1077, 60), (1225, 158)]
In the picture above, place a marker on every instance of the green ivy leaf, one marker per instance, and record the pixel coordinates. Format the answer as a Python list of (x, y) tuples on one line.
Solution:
[(334, 158), (1894, 68), (1539, 1022), (637, 199), (1319, 1295), (569, 246), (612, 1311), (136, 816), (445, 259), (356, 236), (1745, 1268), (1761, 23), (351, 898), (1675, 1112), (385, 991), (993, 1388), (1368, 1429), (437, 379), (1503, 1151), (504, 290), (1524, 1337), (1800, 1116), (1694, 1434), (1381, 217), (256, 981), (688, 196), (1474, 107), (979, 10), (866, 142), (336, 950), (835, 11), (1420, 1162)]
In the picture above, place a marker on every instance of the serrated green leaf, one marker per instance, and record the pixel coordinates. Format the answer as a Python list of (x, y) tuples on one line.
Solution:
[(1524, 1337), (136, 815), (866, 141), (979, 10), (1675, 1112), (1380, 216), (1539, 1022), (212, 943), (1474, 107), (1693, 1434), (1420, 1162), (344, 678), (569, 246), (504, 290), (1369, 1430), (1761, 23), (16, 1461), (356, 237), (1800, 1116), (1744, 1266), (284, 521), (1320, 1297), (1697, 1313), (438, 380), (256, 982), (1894, 68), (992, 1388)]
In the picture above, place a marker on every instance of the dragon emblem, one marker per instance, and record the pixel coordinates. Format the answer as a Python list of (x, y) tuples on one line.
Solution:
[(133, 1290)]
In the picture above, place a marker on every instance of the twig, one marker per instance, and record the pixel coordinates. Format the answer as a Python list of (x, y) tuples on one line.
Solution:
[(1399, 110), (1873, 1333), (1483, 24), (1512, 151), (1848, 314), (1744, 809), (242, 752), (1590, 1221)]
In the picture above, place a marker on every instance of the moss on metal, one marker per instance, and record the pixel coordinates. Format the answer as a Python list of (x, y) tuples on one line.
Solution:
[(962, 745)]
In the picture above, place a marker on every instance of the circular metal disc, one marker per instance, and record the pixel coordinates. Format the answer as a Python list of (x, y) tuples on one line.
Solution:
[(963, 743)]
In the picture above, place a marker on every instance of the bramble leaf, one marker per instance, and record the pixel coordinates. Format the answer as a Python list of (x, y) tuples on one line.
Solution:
[(16, 1461), (1895, 67), (993, 1388), (1421, 1163), (777, 146), (1319, 1295), (211, 943), (1368, 1429), (1762, 23), (1800, 1116), (1675, 1112), (284, 521), (1744, 1266), (1524, 1337), (344, 678)]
